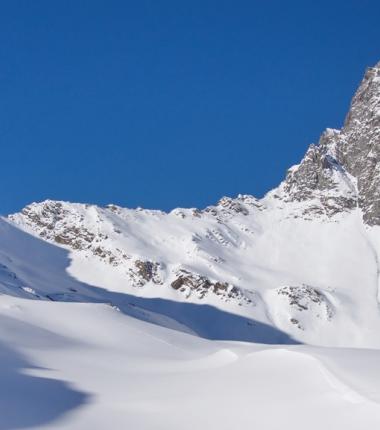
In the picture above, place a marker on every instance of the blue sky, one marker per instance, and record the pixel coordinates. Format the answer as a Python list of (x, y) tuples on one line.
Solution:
[(171, 103)]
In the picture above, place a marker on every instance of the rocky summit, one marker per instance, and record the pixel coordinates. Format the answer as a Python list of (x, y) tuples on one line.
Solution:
[(342, 171)]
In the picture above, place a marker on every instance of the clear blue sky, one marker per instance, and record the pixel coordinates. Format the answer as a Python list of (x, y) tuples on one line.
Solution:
[(171, 103)]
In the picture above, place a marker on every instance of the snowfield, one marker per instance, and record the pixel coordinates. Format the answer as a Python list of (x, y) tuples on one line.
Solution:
[(247, 314), (87, 366), (79, 353)]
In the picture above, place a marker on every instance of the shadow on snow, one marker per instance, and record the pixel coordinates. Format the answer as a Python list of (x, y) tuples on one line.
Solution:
[(31, 401), (56, 284)]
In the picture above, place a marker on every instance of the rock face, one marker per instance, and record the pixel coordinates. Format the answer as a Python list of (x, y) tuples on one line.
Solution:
[(321, 180), (189, 283), (144, 272), (343, 170), (360, 147)]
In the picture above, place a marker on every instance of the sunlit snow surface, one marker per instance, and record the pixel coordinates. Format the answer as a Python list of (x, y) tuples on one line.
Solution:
[(250, 314), (80, 348), (81, 366)]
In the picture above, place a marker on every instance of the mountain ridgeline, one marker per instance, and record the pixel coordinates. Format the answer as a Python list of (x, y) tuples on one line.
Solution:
[(302, 261)]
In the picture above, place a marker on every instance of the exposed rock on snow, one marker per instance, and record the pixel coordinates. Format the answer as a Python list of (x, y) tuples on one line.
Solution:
[(307, 232), (300, 307), (144, 272), (189, 283)]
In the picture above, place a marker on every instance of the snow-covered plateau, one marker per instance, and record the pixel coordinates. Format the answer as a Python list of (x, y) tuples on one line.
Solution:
[(253, 313)]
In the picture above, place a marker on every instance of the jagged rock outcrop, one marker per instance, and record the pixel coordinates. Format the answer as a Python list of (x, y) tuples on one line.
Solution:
[(343, 171), (190, 283), (143, 272), (359, 149), (321, 180)]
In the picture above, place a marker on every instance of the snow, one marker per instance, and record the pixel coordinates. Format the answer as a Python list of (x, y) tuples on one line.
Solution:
[(82, 347), (259, 253), (247, 314), (94, 366)]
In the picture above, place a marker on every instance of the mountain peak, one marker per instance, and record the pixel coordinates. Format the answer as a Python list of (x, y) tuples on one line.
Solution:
[(365, 104), (337, 175), (342, 172)]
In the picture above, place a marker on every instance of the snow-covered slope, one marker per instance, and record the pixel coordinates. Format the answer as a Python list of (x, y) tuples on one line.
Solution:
[(254, 261), (85, 365), (137, 312)]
